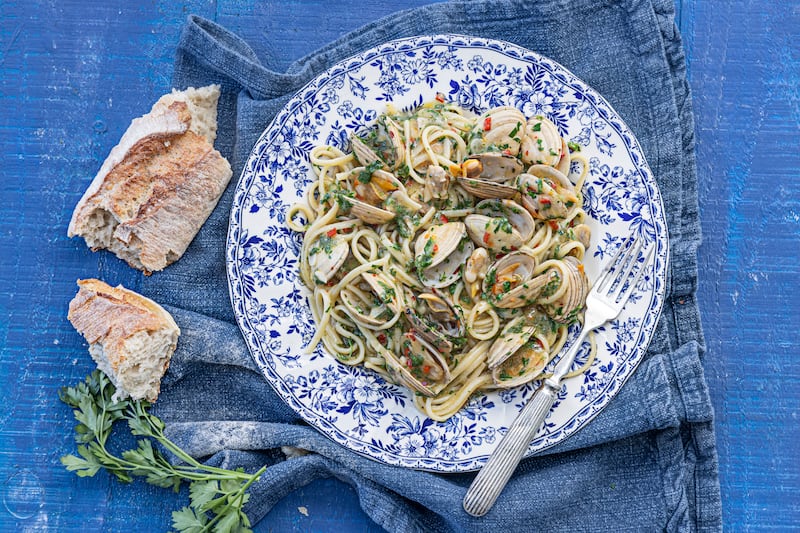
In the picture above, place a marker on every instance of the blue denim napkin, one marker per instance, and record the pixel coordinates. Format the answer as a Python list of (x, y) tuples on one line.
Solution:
[(647, 462)]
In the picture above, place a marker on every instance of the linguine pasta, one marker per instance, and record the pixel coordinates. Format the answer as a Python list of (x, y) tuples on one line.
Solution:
[(444, 251)]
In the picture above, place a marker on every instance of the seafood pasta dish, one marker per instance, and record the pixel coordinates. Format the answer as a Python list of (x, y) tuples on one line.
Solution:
[(445, 250)]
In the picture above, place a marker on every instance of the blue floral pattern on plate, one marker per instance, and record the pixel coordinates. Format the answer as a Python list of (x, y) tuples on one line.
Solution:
[(354, 406)]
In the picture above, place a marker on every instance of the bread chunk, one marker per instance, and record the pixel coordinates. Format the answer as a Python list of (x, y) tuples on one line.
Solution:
[(131, 338), (158, 185)]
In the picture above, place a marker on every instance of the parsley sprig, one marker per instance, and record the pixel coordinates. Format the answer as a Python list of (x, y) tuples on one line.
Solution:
[(216, 495)]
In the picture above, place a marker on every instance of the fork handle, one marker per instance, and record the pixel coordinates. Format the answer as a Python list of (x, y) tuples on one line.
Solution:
[(494, 475)]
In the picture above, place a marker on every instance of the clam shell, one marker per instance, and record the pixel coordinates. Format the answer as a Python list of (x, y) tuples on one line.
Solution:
[(385, 289), (574, 298), (517, 215), (516, 268), (369, 213), (494, 233), (324, 264), (541, 143), (521, 367), (363, 153), (503, 121), (439, 371), (443, 322), (487, 189), (511, 338), (445, 239), (448, 271), (492, 166)]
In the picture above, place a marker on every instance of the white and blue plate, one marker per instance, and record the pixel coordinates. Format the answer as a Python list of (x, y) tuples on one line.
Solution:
[(352, 405)]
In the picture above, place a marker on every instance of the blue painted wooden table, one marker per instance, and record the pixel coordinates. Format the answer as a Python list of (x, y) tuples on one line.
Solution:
[(72, 75)]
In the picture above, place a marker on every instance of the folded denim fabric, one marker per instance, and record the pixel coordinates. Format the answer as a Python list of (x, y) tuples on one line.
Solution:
[(646, 462)]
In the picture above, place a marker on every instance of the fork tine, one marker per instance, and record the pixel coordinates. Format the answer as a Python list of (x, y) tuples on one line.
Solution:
[(625, 269), (623, 297), (605, 274)]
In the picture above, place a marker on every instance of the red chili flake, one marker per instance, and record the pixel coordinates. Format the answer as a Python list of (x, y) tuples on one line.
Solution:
[(382, 339), (440, 97), (513, 248), (486, 238), (330, 283), (435, 248), (553, 225), (331, 232), (544, 201), (487, 123), (444, 219), (507, 151), (539, 342), (391, 134), (412, 337), (346, 230), (426, 369)]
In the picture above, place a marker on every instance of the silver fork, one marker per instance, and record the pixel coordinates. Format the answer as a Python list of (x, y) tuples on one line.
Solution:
[(603, 303)]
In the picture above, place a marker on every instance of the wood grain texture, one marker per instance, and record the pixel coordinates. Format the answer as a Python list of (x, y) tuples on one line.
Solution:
[(744, 62), (72, 75)]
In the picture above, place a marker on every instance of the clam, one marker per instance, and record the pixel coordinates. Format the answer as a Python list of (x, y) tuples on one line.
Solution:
[(582, 234), (380, 309), (437, 183), (389, 148), (326, 258), (541, 142), (418, 365), (517, 356), (475, 270), (372, 189), (364, 154), (500, 225), (492, 166), (566, 308), (369, 213), (500, 128), (485, 175), (510, 283), (476, 266), (437, 320), (546, 192), (564, 164), (439, 253)]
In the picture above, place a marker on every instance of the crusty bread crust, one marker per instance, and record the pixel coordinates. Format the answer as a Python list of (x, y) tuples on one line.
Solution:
[(158, 185), (108, 317)]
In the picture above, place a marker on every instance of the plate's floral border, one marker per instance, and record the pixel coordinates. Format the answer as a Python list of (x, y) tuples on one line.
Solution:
[(353, 406)]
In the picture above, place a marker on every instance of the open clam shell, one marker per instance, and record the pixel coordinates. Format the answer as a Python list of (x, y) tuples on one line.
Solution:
[(487, 189), (501, 128), (325, 261), (436, 320), (438, 242), (509, 282), (369, 213), (493, 233), (546, 192), (496, 167), (378, 311), (521, 367), (567, 307), (518, 217), (419, 365), (449, 270), (541, 142)]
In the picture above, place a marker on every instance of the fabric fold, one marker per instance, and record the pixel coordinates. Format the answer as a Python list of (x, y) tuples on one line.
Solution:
[(646, 461)]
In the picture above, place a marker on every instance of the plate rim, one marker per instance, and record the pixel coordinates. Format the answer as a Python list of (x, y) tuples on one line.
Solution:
[(441, 465)]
